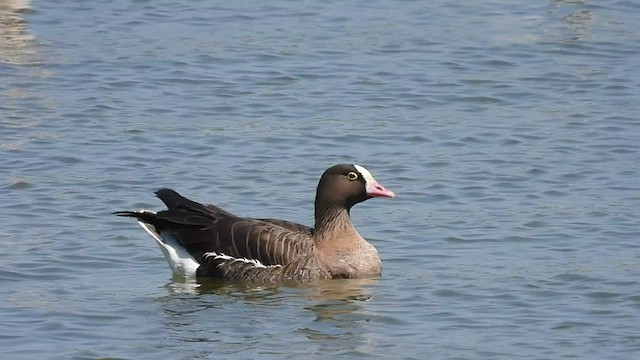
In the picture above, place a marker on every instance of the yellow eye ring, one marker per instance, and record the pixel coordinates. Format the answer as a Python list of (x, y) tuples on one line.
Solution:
[(352, 176)]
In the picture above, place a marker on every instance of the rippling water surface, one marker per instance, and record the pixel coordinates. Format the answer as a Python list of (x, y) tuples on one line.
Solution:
[(508, 130)]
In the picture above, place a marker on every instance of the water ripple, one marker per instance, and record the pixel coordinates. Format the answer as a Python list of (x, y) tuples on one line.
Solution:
[(508, 131)]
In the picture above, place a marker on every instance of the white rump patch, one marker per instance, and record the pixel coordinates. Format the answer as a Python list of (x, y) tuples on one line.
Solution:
[(254, 262), (181, 262)]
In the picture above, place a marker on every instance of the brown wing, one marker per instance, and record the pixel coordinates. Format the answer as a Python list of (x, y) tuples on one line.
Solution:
[(253, 239), (208, 228)]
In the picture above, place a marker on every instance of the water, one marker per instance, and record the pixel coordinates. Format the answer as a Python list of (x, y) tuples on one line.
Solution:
[(508, 130)]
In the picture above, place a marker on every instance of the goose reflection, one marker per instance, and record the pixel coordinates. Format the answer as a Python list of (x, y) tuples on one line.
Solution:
[(343, 323), (321, 290), (332, 315)]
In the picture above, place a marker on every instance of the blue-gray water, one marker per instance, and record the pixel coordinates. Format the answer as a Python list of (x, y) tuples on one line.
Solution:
[(509, 131)]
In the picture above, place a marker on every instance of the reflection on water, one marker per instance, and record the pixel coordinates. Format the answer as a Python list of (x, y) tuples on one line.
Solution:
[(342, 324), (321, 290), (17, 45), (331, 313), (344, 289), (21, 94), (577, 23)]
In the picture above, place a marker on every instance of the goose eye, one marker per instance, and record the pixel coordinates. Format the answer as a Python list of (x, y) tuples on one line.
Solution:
[(352, 176)]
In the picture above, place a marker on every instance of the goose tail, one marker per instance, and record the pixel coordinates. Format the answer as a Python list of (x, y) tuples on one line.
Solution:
[(181, 262)]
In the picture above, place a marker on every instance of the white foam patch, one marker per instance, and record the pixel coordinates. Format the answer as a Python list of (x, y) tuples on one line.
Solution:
[(253, 262), (179, 259)]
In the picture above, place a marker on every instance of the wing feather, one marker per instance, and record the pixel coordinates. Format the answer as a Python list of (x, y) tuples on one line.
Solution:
[(207, 228)]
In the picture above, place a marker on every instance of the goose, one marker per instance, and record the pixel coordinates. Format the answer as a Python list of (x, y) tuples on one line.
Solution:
[(205, 241)]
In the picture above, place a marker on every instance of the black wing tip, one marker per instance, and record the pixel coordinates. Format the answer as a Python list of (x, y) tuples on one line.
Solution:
[(169, 196), (165, 192), (126, 213)]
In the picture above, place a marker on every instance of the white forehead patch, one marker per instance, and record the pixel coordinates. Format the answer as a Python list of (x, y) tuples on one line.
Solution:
[(368, 178)]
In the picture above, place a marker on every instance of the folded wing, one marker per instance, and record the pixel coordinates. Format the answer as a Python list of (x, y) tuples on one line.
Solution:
[(202, 229)]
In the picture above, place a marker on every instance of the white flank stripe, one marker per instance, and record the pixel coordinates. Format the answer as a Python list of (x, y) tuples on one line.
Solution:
[(253, 262)]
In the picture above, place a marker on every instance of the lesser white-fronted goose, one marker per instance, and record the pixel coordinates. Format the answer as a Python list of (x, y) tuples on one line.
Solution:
[(207, 241)]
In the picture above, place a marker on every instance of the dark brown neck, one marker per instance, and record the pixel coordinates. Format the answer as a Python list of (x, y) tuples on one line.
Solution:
[(331, 219)]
